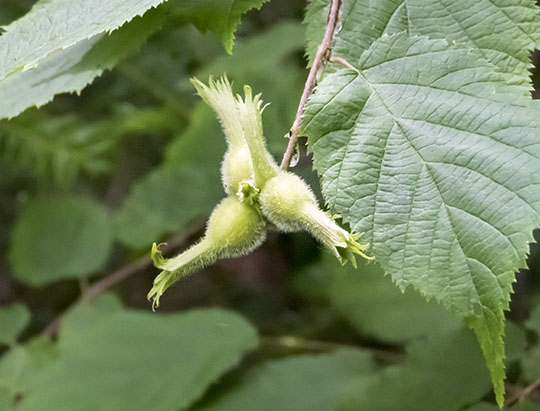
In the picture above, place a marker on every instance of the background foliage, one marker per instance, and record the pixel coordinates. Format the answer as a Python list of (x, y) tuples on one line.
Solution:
[(88, 182)]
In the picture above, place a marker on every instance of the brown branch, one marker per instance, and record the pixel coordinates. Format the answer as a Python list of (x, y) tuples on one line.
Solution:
[(522, 393), (295, 342), (99, 287), (321, 57)]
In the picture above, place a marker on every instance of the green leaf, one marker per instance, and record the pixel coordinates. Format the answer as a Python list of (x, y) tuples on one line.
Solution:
[(58, 238), (377, 308), (186, 187), (67, 54), (56, 148), (533, 323), (444, 372), (529, 364), (20, 365), (220, 16), (130, 360), (530, 361), (6, 401), (306, 382), (435, 157), (526, 406), (483, 406), (502, 31), (72, 69), (14, 319), (58, 25), (315, 20), (377, 18)]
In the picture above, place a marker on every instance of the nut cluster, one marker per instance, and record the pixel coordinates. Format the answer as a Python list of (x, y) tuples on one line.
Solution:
[(258, 193)]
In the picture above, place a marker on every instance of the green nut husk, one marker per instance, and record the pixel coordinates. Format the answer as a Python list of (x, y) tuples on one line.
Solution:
[(256, 190), (247, 163), (288, 202), (235, 228)]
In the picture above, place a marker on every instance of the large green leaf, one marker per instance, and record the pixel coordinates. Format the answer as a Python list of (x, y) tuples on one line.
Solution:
[(13, 319), (23, 363), (377, 308), (306, 382), (57, 25), (72, 69), (59, 238), (62, 45), (219, 16), (502, 31), (444, 372), (435, 157), (133, 361)]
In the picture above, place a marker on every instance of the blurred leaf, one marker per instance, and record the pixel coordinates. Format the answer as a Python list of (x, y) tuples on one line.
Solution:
[(186, 187), (6, 401), (55, 148), (20, 366), (533, 323), (483, 406), (57, 238), (526, 406), (129, 360), (378, 308), (530, 363), (13, 319), (299, 383), (220, 16), (60, 148), (444, 372)]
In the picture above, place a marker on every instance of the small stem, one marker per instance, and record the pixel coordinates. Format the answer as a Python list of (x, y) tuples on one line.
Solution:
[(345, 63), (112, 279), (300, 343), (523, 393), (321, 57)]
